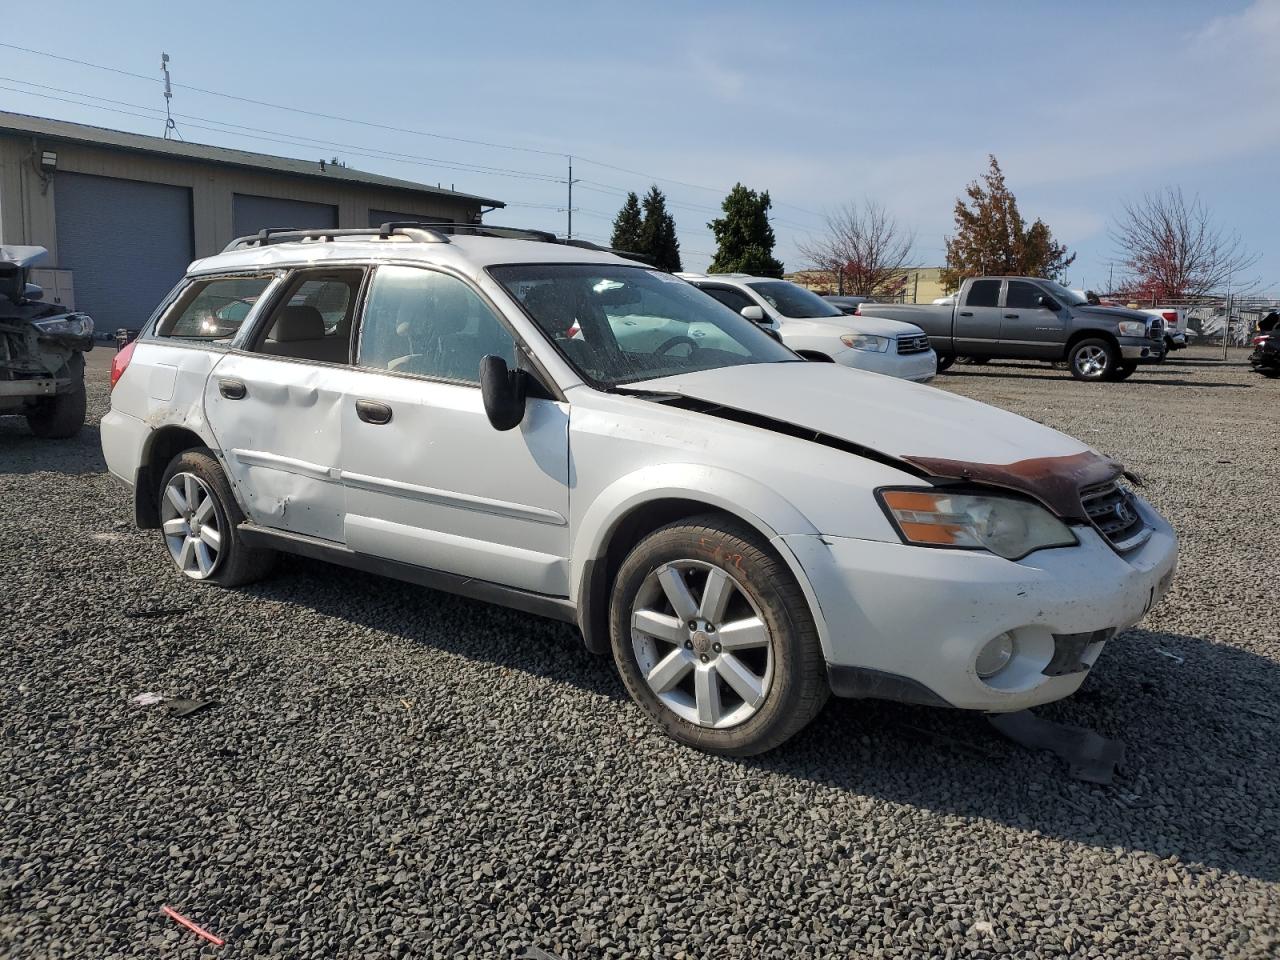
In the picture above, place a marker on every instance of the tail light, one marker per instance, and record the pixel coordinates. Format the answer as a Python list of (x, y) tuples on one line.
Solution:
[(1170, 317), (1261, 339), (857, 310), (121, 361)]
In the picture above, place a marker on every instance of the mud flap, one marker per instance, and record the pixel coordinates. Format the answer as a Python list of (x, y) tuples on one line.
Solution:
[(1090, 756)]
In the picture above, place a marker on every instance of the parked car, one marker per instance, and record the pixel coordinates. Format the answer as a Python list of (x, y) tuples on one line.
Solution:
[(1175, 326), (848, 305), (818, 330), (1266, 346), (42, 347), (1032, 318), (744, 532)]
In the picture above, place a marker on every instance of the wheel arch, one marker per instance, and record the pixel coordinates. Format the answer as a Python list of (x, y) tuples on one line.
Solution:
[(636, 505), (160, 448), (1090, 335)]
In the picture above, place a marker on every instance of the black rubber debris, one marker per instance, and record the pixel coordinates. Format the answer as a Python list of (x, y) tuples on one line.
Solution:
[(1090, 756)]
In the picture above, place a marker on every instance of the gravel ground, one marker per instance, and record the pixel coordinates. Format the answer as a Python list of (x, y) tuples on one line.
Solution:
[(394, 772)]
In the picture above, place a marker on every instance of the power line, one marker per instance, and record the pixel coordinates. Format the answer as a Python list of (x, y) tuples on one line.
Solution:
[(389, 127)]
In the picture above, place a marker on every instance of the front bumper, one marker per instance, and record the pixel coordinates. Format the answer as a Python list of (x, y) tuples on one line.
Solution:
[(909, 366), (1142, 350), (907, 623)]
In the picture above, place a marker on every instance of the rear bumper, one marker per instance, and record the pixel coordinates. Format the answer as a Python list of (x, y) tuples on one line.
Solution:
[(36, 387), (907, 623), (123, 440)]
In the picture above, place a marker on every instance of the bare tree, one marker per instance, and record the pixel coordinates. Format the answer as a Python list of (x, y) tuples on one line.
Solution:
[(865, 250), (1172, 248)]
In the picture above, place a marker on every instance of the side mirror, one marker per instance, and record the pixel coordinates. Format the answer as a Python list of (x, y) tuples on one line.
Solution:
[(503, 391), (754, 313), (1047, 302), (33, 291)]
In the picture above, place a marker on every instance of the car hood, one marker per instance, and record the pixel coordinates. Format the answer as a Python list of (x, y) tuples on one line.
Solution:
[(835, 326), (1112, 313), (890, 416)]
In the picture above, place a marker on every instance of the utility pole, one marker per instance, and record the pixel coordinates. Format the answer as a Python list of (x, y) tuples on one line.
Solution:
[(569, 235)]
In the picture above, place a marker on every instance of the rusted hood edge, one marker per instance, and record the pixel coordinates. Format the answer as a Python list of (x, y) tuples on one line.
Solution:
[(1054, 481)]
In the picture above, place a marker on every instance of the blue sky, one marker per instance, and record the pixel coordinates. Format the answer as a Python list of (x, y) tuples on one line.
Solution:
[(1084, 104)]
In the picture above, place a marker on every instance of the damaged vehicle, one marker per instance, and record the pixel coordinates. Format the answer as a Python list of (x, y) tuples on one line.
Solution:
[(1265, 358), (470, 409), (42, 348)]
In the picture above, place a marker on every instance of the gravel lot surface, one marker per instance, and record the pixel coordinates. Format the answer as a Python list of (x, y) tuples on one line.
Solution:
[(394, 772)]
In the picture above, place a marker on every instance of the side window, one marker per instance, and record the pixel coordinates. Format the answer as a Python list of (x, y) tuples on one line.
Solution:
[(1022, 296), (983, 293), (212, 309), (431, 324), (731, 298), (313, 318)]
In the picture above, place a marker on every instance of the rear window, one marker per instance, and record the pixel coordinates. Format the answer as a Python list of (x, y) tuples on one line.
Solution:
[(212, 309)]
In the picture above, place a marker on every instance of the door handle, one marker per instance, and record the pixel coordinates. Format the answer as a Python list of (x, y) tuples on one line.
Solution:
[(965, 313), (232, 389), (371, 411), (1011, 316)]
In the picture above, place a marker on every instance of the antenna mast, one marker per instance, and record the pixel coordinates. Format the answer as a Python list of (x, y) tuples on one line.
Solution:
[(170, 128)]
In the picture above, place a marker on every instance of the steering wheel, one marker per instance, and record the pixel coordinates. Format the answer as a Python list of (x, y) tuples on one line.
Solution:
[(675, 342)]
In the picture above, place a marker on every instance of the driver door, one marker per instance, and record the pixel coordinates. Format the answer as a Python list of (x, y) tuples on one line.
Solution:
[(1028, 329), (428, 480)]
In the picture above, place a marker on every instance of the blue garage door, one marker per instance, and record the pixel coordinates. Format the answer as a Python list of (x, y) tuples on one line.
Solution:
[(250, 214), (126, 242)]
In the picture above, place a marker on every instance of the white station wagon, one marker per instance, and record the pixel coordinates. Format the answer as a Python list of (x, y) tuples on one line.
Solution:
[(474, 410)]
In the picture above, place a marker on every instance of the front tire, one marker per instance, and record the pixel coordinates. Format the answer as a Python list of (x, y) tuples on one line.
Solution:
[(199, 519), (714, 639), (61, 416), (945, 360), (1093, 360), (1124, 370)]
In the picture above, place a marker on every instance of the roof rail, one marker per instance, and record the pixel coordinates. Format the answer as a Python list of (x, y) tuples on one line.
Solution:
[(270, 235)]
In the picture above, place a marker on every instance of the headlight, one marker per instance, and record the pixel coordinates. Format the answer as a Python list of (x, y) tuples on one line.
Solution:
[(865, 341), (71, 325), (1007, 527), (1133, 328)]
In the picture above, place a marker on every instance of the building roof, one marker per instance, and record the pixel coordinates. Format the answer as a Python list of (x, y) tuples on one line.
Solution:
[(66, 131)]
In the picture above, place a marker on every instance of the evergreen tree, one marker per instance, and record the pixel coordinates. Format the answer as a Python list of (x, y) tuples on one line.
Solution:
[(627, 226), (992, 239), (658, 233), (744, 238)]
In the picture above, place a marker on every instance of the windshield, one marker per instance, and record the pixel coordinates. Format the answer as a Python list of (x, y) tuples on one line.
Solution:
[(1062, 294), (793, 301), (618, 324)]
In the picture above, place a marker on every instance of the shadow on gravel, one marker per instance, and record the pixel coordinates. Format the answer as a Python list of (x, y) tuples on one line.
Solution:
[(21, 453), (1201, 778)]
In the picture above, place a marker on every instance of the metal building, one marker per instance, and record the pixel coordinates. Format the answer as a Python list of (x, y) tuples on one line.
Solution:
[(123, 214)]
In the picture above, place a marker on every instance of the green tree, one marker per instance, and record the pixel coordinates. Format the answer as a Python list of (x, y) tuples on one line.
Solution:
[(658, 232), (627, 226), (992, 239), (744, 238)]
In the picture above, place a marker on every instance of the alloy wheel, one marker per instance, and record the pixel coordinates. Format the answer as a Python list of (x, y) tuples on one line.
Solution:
[(701, 644), (1092, 361), (189, 519)]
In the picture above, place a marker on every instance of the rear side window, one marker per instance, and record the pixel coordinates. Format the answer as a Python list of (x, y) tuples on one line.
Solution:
[(212, 309), (983, 293), (731, 298)]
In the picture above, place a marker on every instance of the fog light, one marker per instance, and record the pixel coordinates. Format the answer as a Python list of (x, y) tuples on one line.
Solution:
[(995, 656)]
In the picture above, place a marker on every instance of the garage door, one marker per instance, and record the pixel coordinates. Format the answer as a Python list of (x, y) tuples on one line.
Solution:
[(378, 217), (126, 242), (250, 214)]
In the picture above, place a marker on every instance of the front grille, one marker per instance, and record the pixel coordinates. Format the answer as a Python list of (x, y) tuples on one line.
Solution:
[(918, 344), (1114, 513)]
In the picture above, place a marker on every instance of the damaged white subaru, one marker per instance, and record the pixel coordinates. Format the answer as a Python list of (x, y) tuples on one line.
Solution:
[(550, 426)]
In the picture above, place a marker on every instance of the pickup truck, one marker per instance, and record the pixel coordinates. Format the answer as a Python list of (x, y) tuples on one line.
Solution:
[(1035, 319)]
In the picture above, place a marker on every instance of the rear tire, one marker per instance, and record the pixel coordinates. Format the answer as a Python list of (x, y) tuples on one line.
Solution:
[(61, 417), (681, 591), (200, 523), (1093, 360)]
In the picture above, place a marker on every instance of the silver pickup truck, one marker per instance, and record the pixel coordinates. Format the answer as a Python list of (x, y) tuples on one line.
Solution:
[(1034, 319)]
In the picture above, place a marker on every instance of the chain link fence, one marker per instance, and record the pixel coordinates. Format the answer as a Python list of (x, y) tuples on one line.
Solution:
[(1230, 321)]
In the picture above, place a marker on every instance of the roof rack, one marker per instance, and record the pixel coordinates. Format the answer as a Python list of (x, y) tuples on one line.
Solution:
[(425, 231)]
